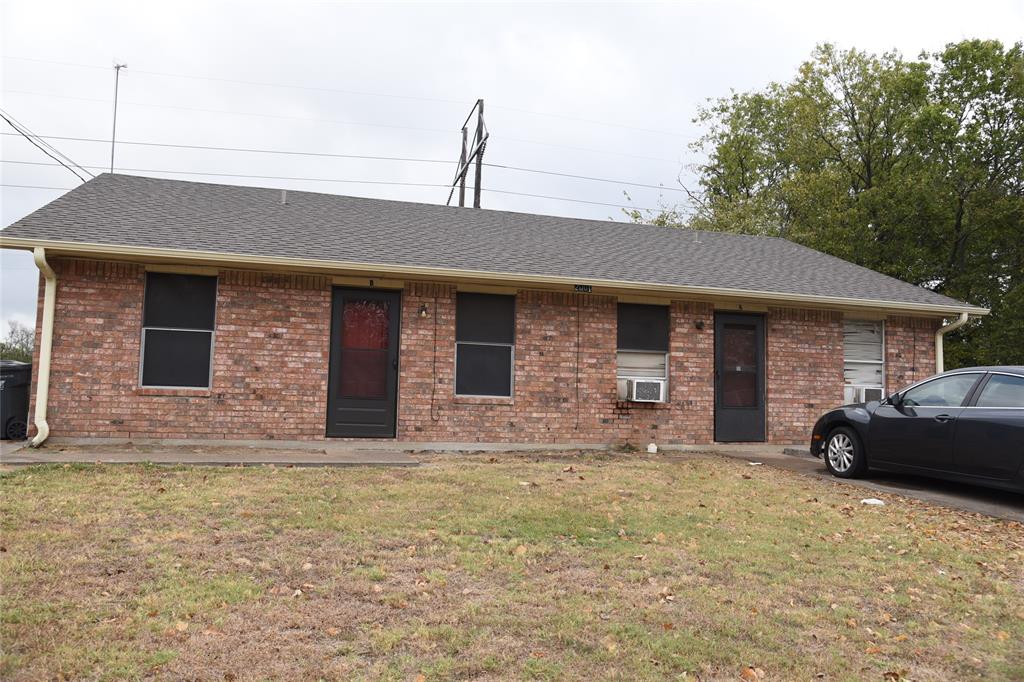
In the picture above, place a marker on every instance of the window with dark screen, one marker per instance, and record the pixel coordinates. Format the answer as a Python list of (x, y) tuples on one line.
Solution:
[(177, 330), (484, 344)]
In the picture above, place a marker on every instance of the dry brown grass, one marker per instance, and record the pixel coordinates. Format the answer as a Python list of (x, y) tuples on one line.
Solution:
[(619, 567)]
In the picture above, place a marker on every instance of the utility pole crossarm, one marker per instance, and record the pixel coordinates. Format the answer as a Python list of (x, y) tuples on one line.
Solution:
[(468, 156)]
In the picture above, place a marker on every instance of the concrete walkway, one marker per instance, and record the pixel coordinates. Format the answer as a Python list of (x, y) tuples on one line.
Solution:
[(216, 455), (402, 454)]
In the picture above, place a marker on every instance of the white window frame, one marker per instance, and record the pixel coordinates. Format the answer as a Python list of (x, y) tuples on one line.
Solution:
[(619, 376), (859, 389)]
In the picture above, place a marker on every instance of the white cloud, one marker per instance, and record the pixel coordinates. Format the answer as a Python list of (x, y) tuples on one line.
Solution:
[(641, 65)]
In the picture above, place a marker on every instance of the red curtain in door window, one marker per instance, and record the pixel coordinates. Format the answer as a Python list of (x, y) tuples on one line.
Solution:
[(364, 324), (364, 349)]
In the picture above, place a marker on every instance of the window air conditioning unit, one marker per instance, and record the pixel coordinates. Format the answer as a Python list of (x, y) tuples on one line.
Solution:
[(647, 390), (863, 394)]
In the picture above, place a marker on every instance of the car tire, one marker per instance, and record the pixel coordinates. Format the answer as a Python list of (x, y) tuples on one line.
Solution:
[(844, 453)]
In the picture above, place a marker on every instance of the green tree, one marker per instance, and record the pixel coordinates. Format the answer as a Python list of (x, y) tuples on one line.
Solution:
[(18, 343), (914, 168)]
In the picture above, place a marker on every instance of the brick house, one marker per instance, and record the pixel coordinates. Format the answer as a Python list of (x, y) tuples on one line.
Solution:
[(175, 309)]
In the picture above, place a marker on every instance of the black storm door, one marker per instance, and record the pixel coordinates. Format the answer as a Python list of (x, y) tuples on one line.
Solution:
[(363, 384), (739, 377)]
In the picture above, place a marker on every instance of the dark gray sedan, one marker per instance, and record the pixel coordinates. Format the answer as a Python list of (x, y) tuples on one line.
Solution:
[(964, 425)]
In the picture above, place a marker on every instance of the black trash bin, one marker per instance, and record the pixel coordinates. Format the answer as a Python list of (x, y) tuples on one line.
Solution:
[(15, 378)]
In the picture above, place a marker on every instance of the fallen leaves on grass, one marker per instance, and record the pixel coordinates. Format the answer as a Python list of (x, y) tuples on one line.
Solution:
[(725, 569), (751, 673)]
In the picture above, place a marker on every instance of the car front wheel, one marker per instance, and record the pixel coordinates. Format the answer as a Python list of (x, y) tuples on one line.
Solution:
[(844, 454)]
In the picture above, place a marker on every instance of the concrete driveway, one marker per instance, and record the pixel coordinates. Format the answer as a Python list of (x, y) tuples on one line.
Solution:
[(997, 503)]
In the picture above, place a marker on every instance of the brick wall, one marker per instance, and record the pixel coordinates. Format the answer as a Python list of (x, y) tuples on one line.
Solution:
[(269, 363), (271, 356), (804, 370), (909, 350), (564, 387)]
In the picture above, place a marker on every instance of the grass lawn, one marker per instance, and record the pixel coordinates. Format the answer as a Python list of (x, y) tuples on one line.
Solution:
[(584, 567)]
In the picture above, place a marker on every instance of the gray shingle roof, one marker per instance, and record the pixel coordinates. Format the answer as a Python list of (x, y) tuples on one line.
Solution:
[(135, 211)]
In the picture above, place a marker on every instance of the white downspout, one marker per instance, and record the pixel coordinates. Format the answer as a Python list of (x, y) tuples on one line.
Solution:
[(942, 331), (45, 347)]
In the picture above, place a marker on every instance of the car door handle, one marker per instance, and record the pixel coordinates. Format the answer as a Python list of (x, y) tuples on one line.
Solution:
[(942, 418)]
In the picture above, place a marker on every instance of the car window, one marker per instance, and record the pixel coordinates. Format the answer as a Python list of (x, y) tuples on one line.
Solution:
[(1002, 391), (942, 392)]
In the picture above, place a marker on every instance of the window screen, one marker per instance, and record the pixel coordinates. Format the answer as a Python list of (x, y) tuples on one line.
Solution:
[(643, 344), (485, 318), (484, 343), (177, 333), (180, 301), (176, 358), (643, 327), (863, 360)]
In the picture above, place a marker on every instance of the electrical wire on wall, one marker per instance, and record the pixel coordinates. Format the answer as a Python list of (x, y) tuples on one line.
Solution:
[(579, 304), (434, 416)]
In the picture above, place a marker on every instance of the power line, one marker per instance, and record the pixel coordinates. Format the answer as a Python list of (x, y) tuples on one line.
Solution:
[(51, 61), (245, 175), (28, 136), (595, 121), (249, 150), (374, 158), (62, 189), (575, 201), (24, 130), (234, 113), (590, 149), (338, 122), (265, 84), (583, 177), (350, 181), (365, 93)]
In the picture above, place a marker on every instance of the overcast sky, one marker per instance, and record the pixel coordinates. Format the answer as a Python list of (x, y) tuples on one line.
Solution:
[(600, 90)]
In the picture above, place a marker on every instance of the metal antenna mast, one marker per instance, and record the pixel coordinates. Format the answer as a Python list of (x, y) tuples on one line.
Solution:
[(469, 155), (113, 132)]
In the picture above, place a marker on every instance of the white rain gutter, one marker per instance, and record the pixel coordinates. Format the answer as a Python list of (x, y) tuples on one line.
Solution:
[(942, 331), (45, 347), (242, 261)]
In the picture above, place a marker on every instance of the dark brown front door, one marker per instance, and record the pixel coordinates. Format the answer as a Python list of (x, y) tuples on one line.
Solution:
[(363, 384), (739, 377)]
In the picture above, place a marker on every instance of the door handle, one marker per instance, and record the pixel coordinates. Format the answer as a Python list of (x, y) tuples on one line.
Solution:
[(943, 418)]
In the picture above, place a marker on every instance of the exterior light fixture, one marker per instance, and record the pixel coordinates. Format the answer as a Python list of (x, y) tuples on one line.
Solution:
[(423, 310)]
